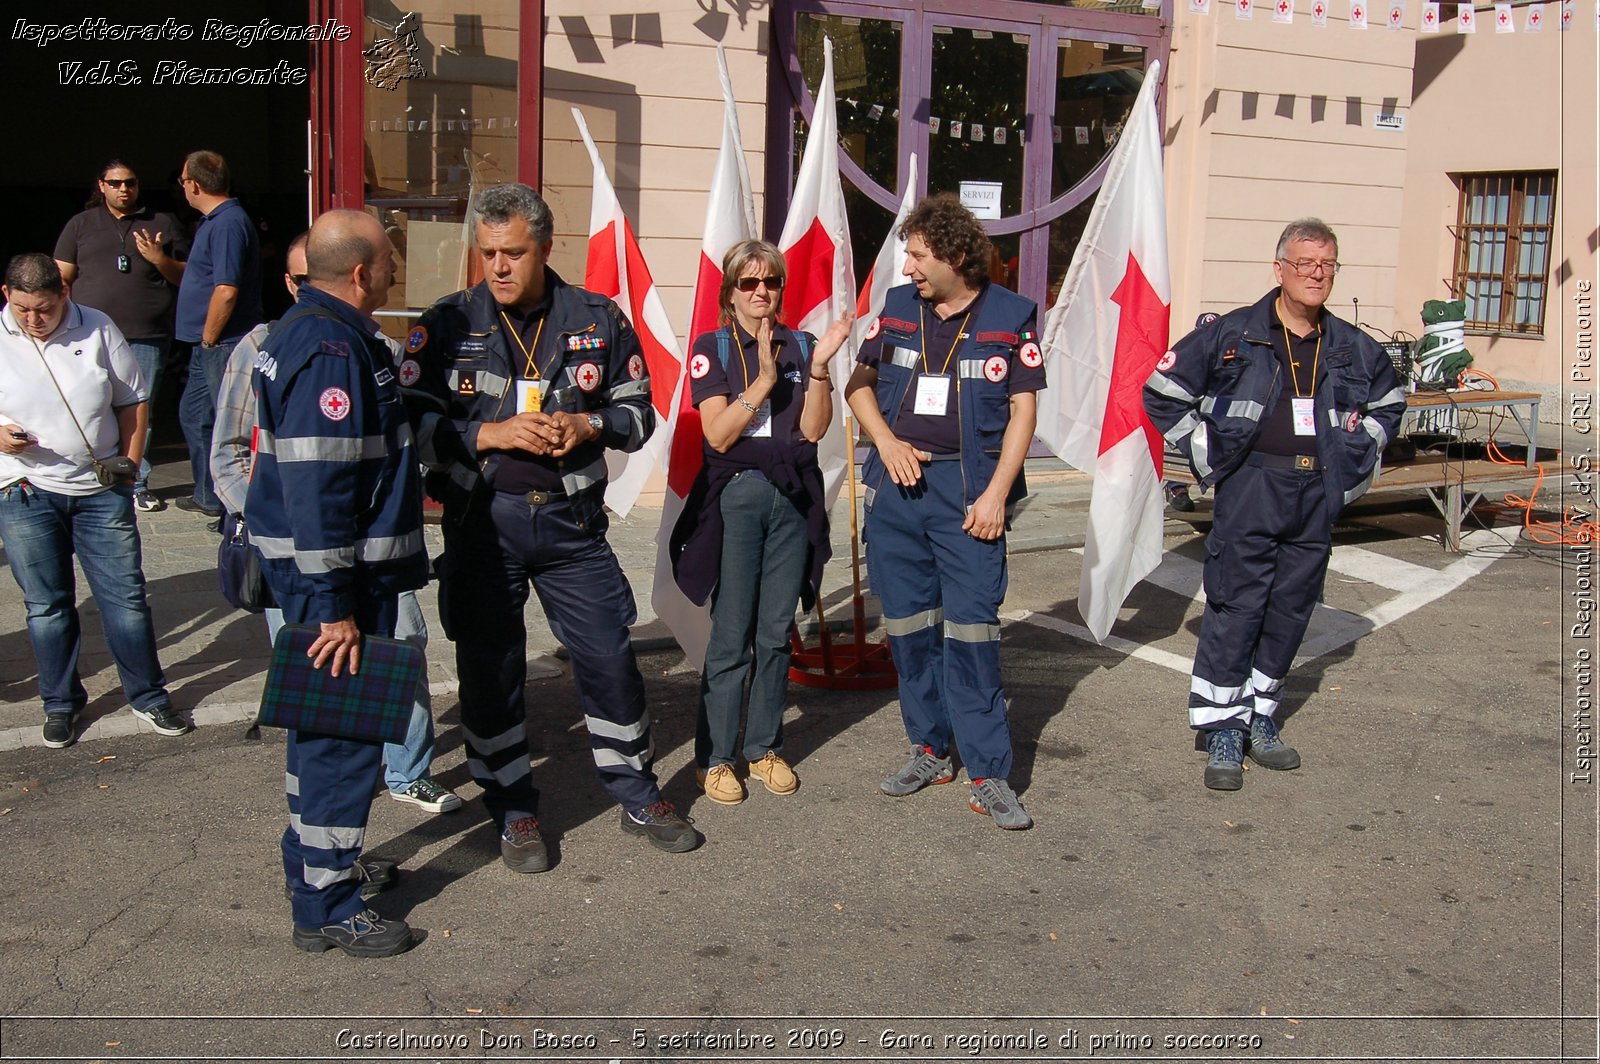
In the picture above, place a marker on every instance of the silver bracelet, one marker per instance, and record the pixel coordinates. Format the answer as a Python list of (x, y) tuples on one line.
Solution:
[(746, 403)]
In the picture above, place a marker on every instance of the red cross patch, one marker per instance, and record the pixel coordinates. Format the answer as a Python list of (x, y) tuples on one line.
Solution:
[(588, 376), (875, 328), (1031, 356), (335, 404), (1351, 422), (410, 372), (636, 367), (1167, 361), (415, 339), (995, 368), (700, 365)]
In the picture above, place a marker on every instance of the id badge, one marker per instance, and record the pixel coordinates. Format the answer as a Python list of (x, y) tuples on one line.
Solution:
[(1305, 419), (933, 395), (761, 422), (530, 396)]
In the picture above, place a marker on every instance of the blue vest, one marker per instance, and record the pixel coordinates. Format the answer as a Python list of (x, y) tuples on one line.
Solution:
[(983, 402)]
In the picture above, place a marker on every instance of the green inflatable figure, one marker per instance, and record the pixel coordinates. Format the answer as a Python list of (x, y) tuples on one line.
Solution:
[(1442, 355)]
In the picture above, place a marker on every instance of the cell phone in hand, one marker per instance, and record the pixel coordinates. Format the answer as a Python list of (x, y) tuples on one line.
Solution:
[(23, 435)]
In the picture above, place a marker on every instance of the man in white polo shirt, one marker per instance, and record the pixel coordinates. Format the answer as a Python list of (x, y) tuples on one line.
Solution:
[(73, 414)]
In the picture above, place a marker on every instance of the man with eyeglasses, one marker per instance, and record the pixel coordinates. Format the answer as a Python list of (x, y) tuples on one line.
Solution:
[(219, 301), (125, 260), (1284, 410), (517, 387)]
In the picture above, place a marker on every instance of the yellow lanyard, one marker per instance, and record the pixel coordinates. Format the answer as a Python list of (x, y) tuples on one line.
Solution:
[(1288, 347), (531, 370), (739, 343), (922, 337)]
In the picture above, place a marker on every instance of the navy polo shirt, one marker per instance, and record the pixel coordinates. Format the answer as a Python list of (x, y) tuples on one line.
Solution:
[(225, 251)]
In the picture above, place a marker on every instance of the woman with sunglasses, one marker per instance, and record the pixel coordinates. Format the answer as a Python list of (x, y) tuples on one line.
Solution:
[(754, 534)]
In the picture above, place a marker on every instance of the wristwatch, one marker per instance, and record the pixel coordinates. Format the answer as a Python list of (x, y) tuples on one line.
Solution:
[(597, 423)]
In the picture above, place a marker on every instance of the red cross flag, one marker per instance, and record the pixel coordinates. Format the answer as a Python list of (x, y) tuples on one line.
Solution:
[(1243, 9), (1430, 17), (1534, 21), (1358, 15), (1397, 16), (730, 218), (885, 273), (1102, 340), (1465, 19), (1568, 10), (1503, 22), (1319, 15), (1283, 11)]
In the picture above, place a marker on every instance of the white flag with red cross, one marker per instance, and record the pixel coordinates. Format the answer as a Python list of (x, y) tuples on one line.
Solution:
[(1504, 21), (1430, 17), (1466, 19), (1283, 11), (1358, 14), (730, 218), (1102, 341), (816, 249), (885, 273), (616, 268)]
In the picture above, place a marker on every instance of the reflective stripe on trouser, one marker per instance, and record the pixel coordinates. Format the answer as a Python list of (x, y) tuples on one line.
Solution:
[(764, 556), (1266, 558), (329, 783), (941, 591), (489, 560)]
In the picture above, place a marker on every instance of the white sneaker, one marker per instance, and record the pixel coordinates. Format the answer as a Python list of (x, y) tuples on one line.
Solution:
[(426, 794)]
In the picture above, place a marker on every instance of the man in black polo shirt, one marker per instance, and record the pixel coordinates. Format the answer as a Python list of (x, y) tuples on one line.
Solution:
[(1285, 410), (125, 260)]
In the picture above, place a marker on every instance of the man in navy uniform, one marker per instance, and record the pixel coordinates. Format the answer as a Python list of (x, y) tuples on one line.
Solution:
[(335, 506), (517, 387), (1284, 410), (945, 388)]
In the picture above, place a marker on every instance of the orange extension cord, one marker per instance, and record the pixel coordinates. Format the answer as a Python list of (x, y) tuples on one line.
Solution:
[(1575, 528)]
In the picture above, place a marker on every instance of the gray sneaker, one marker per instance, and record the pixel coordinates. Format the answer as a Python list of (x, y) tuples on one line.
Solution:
[(1225, 766), (995, 799), (1266, 748), (925, 769), (427, 793)]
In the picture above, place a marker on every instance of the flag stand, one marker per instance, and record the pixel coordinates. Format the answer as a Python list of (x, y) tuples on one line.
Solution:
[(858, 664)]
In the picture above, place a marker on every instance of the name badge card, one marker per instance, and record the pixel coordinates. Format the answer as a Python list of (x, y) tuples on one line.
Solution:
[(530, 396), (1305, 420), (760, 422), (933, 395)]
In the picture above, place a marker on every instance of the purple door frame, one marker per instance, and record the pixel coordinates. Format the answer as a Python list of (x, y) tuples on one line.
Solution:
[(1046, 23)]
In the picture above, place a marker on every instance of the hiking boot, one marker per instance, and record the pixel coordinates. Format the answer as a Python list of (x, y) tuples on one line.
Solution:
[(147, 502), (366, 934), (660, 823), (995, 799), (60, 729), (1178, 498), (1225, 769), (522, 848), (426, 793), (721, 784), (925, 769), (164, 719), (1266, 748), (775, 772), (376, 876)]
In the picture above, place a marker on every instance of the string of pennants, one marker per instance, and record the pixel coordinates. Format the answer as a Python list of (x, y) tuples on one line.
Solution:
[(1504, 19)]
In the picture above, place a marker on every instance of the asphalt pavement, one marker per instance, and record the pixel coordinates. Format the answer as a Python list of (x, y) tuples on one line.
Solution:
[(1423, 887)]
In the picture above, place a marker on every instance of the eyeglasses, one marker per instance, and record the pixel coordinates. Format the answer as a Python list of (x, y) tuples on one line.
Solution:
[(120, 182), (749, 284), (1309, 267)]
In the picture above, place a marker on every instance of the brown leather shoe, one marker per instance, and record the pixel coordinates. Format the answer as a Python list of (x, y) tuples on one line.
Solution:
[(721, 784), (775, 772)]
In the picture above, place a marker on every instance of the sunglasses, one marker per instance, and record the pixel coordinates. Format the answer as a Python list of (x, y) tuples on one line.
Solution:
[(120, 182), (299, 278), (748, 284)]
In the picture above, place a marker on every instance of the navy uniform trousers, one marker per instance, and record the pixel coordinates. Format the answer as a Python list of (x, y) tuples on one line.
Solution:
[(1266, 558), (941, 591), (330, 782), (491, 555)]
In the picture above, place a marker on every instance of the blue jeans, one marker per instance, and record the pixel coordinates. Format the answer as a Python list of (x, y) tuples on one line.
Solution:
[(152, 357), (403, 764), (41, 531), (758, 588), (197, 413)]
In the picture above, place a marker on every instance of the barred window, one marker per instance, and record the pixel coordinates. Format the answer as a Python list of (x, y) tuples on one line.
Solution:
[(1503, 249)]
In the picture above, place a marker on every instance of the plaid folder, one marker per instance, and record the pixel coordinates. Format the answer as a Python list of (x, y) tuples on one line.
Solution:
[(374, 704)]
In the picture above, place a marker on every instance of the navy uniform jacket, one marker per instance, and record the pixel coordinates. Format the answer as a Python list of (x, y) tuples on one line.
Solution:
[(335, 498), (1209, 394), (1005, 328), (460, 371)]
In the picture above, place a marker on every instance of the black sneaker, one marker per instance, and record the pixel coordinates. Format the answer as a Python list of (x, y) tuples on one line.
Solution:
[(522, 848), (60, 730), (366, 934), (187, 504), (376, 875), (661, 824), (1225, 766), (164, 719)]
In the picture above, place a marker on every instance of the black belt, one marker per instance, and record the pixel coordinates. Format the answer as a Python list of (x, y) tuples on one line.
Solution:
[(541, 498), (1304, 463)]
